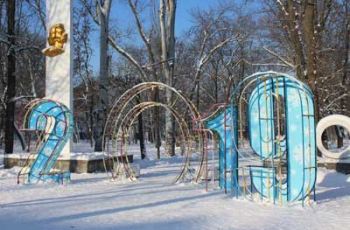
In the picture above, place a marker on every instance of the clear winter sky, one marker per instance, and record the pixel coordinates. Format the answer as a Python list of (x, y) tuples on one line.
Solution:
[(122, 14)]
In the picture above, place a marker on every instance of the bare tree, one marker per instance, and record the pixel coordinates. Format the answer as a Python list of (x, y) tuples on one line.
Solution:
[(345, 56), (28, 60), (3, 70), (167, 29), (212, 32), (103, 10), (154, 59), (85, 85), (11, 77), (302, 25)]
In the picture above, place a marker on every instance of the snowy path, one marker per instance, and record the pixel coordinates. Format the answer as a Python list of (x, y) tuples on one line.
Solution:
[(90, 202)]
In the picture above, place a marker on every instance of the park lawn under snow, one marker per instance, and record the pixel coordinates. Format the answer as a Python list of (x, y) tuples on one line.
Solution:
[(154, 202)]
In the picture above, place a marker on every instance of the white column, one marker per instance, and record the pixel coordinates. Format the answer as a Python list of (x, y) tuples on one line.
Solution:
[(59, 69)]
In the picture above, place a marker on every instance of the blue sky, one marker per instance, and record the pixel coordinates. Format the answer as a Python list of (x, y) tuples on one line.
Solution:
[(183, 17), (121, 14)]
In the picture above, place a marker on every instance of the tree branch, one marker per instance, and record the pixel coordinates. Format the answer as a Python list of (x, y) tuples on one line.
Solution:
[(279, 57)]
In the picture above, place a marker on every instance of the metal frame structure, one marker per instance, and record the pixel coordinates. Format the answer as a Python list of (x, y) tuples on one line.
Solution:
[(275, 164), (122, 115), (218, 119), (267, 139), (53, 124)]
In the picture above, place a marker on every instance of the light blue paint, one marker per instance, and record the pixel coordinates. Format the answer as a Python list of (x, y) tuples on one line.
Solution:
[(261, 124), (299, 140), (226, 150), (49, 151)]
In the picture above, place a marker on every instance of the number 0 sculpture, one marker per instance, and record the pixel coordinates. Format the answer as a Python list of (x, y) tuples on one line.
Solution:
[(281, 127)]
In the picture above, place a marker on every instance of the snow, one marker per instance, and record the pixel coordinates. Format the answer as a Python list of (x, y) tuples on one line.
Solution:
[(154, 202), (332, 145), (344, 151)]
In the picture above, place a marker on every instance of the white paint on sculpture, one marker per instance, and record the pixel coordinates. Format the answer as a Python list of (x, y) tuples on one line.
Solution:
[(59, 69), (323, 124)]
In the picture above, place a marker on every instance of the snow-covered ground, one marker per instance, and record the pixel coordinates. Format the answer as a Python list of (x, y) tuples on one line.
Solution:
[(153, 202)]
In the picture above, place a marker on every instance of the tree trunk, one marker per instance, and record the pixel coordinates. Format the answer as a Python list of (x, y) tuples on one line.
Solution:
[(102, 107), (11, 78), (32, 78), (345, 77), (216, 84), (296, 40), (156, 124), (140, 131), (311, 53), (197, 92), (168, 61), (1, 130), (242, 64), (2, 86), (339, 136), (309, 30), (91, 116)]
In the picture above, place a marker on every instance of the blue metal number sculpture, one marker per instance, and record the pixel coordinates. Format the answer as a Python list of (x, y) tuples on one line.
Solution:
[(282, 132), (54, 122), (222, 125)]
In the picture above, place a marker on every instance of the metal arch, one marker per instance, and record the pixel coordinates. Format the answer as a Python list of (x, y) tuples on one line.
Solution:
[(117, 116)]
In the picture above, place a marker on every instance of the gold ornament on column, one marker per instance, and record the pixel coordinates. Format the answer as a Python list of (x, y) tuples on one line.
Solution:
[(57, 38)]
